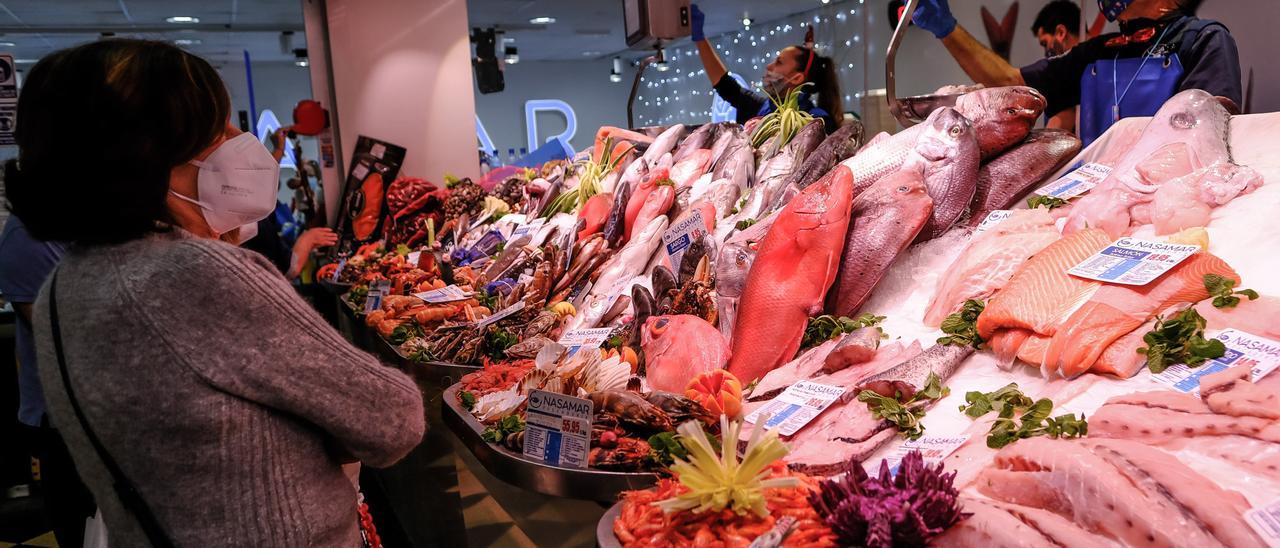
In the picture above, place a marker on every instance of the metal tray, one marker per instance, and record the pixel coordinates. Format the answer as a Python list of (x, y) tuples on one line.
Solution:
[(513, 468), (604, 528)]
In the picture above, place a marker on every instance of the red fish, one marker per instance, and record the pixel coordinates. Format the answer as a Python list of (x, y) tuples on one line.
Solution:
[(796, 265)]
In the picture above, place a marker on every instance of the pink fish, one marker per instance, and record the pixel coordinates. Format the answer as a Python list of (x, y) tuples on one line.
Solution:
[(689, 168), (595, 212), (796, 265), (640, 197), (677, 348)]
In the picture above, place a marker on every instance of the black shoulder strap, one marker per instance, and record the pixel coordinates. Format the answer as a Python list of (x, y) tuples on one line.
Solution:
[(129, 496)]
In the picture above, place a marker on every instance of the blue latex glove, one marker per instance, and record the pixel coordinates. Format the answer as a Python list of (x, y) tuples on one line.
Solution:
[(935, 17), (696, 19)]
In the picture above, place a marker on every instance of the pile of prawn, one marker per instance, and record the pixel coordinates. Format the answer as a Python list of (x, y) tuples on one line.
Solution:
[(644, 524), (495, 376)]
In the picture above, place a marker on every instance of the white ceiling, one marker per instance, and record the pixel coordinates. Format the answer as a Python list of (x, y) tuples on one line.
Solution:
[(593, 28), (226, 29)]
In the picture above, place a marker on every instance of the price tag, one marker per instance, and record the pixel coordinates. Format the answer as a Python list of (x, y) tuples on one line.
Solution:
[(1130, 261), (932, 448), (446, 294), (360, 171), (527, 228), (377, 150), (1265, 521), (502, 314), (1077, 182), (1260, 354), (558, 429), (378, 290), (580, 339), (796, 406), (337, 272), (412, 257), (679, 237), (992, 219)]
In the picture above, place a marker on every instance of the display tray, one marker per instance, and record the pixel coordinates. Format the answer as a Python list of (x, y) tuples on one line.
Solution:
[(334, 287), (513, 468), (444, 370), (604, 528)]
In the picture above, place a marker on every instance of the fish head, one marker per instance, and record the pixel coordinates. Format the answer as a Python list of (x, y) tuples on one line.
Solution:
[(825, 202), (661, 335), (945, 136), (894, 190), (1190, 109), (1003, 116)]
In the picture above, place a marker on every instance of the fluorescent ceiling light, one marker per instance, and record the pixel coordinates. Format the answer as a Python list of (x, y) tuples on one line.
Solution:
[(7, 44), (543, 20), (187, 42), (302, 63), (182, 19)]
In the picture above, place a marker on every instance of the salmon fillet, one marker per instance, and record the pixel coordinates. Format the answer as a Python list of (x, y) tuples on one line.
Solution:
[(1115, 310), (1002, 525), (1040, 292)]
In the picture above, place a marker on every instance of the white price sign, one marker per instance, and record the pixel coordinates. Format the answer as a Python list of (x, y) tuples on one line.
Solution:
[(991, 220), (796, 406), (502, 314), (1130, 261), (678, 238), (446, 294), (579, 339), (932, 448), (1260, 354), (1077, 182), (1265, 521), (558, 429)]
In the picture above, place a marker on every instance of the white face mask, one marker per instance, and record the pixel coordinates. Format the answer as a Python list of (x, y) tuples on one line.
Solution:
[(237, 184), (774, 83)]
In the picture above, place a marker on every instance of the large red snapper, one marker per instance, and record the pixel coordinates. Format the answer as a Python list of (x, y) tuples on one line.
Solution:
[(677, 348), (792, 272)]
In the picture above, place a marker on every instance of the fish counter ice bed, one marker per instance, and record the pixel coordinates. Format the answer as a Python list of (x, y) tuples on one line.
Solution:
[(514, 468)]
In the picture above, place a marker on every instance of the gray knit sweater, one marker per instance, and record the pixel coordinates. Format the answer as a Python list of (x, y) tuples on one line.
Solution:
[(223, 397)]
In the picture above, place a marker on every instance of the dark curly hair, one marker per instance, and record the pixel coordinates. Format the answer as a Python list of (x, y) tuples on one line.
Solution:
[(100, 127)]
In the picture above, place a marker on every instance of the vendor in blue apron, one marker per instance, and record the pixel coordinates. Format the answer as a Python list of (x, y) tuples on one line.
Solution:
[(1161, 49), (793, 67)]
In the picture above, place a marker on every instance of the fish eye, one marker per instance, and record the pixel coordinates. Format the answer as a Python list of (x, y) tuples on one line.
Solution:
[(956, 131), (660, 326), (1183, 120), (1010, 111), (902, 188)]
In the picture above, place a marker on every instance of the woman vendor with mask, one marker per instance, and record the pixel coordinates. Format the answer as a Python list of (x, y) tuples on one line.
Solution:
[(1161, 49), (794, 66)]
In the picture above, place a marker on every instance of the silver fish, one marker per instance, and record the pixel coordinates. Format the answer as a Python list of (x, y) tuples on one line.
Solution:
[(774, 172), (700, 138), (950, 150), (837, 147)]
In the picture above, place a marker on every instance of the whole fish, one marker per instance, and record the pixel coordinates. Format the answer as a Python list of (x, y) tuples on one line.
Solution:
[(727, 137), (732, 265), (678, 348), (661, 145), (1005, 180), (1001, 117), (834, 149), (738, 165), (773, 173), (698, 139), (632, 258), (886, 219), (950, 150), (795, 267), (1188, 133), (940, 359)]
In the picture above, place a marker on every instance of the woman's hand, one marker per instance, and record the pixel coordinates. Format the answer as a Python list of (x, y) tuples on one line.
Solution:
[(313, 238)]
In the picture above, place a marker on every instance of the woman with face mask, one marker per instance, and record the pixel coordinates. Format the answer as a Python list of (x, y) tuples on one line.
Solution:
[(793, 67), (203, 402)]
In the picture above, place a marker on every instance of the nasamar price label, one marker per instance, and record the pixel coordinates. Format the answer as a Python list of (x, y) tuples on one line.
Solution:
[(584, 339), (796, 406), (373, 300), (678, 238), (446, 294), (1130, 261), (932, 448), (1077, 182), (558, 429), (1265, 520), (991, 220), (1260, 354), (527, 228)]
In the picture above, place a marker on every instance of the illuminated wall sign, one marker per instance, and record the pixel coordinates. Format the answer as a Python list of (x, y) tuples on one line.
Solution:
[(721, 110), (267, 125), (486, 144), (531, 109)]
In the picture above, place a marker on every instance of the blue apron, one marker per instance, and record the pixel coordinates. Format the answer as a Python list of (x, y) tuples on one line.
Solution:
[(1120, 88)]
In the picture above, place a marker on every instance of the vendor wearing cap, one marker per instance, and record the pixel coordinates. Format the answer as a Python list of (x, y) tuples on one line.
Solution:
[(1160, 50), (795, 66)]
